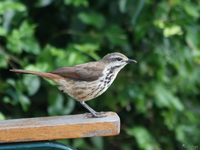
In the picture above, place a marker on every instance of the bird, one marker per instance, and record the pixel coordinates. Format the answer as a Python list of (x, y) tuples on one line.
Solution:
[(86, 81)]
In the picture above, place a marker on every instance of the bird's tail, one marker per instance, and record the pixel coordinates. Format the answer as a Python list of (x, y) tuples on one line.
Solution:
[(42, 74)]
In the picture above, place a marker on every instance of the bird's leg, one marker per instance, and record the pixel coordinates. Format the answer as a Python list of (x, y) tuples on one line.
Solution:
[(93, 112)]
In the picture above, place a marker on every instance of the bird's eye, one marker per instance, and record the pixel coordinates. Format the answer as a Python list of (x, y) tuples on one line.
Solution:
[(118, 59)]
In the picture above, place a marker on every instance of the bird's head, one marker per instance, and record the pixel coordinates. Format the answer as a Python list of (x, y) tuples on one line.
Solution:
[(116, 61)]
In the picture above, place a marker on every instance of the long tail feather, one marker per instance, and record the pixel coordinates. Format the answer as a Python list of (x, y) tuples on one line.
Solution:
[(42, 74)]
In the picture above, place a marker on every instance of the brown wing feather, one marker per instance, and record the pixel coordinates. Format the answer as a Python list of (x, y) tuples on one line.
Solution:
[(86, 72), (66, 72)]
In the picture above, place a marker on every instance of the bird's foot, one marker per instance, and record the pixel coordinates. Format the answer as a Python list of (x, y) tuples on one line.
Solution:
[(96, 115)]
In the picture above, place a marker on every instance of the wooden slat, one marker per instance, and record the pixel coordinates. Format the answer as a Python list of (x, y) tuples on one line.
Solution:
[(58, 127)]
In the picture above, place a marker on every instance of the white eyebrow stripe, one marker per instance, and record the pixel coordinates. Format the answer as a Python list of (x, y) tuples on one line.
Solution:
[(113, 56)]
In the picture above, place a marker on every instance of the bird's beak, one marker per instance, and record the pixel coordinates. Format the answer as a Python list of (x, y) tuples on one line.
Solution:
[(131, 61)]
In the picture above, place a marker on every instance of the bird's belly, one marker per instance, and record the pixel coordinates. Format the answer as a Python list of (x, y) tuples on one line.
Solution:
[(84, 90)]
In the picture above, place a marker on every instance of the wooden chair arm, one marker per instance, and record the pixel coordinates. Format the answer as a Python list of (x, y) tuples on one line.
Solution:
[(58, 127)]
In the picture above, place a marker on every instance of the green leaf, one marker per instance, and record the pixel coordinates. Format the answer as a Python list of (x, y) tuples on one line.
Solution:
[(14, 42), (94, 19), (26, 29), (57, 105), (89, 49), (144, 139), (180, 133), (23, 39), (69, 106), (98, 142), (169, 119), (43, 3), (32, 83), (2, 117), (3, 62), (30, 45), (191, 9), (11, 82), (192, 37), (79, 143), (138, 98), (42, 67), (116, 35), (13, 97), (2, 31), (57, 52), (11, 6), (77, 3), (159, 23), (164, 98), (172, 30), (24, 101)]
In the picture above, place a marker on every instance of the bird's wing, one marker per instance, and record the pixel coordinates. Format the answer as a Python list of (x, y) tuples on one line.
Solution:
[(84, 72)]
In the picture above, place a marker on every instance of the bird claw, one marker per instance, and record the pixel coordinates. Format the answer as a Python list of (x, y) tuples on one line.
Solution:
[(96, 115)]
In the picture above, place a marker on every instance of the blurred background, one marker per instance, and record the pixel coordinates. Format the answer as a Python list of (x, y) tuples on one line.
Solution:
[(157, 99)]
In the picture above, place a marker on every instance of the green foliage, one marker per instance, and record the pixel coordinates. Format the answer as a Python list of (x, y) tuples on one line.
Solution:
[(143, 138), (95, 19), (157, 99)]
